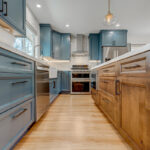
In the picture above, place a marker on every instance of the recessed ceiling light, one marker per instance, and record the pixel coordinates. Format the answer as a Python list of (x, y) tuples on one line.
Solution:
[(38, 6), (67, 25), (117, 25)]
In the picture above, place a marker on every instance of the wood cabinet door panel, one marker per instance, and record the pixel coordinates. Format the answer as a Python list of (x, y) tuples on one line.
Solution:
[(133, 97)]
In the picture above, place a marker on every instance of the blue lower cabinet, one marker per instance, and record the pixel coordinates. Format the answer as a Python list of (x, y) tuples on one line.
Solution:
[(15, 90), (14, 123), (65, 81), (53, 89)]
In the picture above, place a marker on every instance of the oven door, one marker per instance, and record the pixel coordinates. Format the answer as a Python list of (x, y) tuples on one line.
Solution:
[(80, 87)]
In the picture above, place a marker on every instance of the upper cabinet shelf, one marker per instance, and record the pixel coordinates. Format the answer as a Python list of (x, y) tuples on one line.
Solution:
[(13, 16), (114, 38)]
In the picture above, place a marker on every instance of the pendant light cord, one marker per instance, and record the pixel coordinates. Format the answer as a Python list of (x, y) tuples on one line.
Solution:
[(108, 6)]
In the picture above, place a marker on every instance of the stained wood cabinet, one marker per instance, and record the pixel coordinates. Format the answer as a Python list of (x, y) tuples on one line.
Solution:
[(125, 98)]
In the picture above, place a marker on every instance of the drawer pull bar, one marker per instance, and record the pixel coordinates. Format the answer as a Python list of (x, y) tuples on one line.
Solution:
[(117, 87), (21, 82), (105, 70), (105, 81), (18, 113), (18, 63), (6, 4), (132, 67), (106, 100)]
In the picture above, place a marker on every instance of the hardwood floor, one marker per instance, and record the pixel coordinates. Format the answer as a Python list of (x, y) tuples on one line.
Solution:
[(73, 122)]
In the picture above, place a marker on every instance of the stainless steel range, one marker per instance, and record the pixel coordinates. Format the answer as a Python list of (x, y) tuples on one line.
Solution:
[(80, 80)]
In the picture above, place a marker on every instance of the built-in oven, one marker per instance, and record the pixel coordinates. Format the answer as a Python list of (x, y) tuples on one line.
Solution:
[(80, 82)]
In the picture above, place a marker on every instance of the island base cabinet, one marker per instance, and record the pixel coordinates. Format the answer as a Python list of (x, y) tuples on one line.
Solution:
[(14, 122)]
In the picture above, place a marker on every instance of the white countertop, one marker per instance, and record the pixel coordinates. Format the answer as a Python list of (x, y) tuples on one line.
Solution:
[(129, 54), (11, 49)]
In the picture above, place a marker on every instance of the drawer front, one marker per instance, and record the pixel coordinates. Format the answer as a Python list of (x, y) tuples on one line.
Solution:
[(138, 66), (14, 91), (13, 124), (108, 106), (10, 62), (108, 71), (107, 85)]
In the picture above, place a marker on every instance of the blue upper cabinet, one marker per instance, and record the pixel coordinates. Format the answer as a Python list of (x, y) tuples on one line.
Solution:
[(56, 39), (114, 37), (94, 47), (61, 46), (14, 14), (46, 40), (65, 47)]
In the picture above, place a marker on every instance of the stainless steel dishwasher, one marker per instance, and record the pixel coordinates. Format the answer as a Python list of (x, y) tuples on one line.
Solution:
[(42, 90)]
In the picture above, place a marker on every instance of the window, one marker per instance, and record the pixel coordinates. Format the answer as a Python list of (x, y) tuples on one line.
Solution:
[(26, 44)]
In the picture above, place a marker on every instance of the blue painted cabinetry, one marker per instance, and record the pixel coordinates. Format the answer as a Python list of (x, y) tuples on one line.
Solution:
[(61, 46), (94, 47), (16, 97), (114, 37), (65, 81), (14, 14), (46, 40)]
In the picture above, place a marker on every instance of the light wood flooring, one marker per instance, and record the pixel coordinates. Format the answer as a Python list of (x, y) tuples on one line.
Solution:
[(73, 122)]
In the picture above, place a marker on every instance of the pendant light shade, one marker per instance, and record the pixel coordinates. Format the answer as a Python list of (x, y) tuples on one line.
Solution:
[(110, 19)]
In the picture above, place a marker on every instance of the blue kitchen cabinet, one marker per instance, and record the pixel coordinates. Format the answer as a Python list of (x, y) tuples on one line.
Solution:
[(17, 97), (56, 39), (65, 81), (53, 89), (65, 47), (94, 47), (59, 82), (61, 45), (46, 40), (114, 37), (14, 14)]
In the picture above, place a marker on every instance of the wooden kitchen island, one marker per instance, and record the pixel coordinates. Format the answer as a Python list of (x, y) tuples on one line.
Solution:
[(123, 95)]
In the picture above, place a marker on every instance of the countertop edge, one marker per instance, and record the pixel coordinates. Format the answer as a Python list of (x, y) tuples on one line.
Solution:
[(129, 54)]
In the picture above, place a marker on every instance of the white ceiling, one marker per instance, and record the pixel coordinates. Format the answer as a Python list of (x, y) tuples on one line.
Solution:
[(86, 16)]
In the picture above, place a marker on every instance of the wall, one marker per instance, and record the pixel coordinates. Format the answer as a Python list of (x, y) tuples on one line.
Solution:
[(7, 38)]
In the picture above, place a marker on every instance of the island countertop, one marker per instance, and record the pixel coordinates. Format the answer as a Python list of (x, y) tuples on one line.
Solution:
[(129, 54)]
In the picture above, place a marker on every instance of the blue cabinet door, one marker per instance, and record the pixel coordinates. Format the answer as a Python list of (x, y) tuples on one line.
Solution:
[(56, 44), (14, 14), (65, 84), (46, 40), (65, 47), (94, 47), (114, 37)]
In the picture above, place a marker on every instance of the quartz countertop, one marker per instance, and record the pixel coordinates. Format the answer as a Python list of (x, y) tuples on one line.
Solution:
[(11, 49), (129, 54)]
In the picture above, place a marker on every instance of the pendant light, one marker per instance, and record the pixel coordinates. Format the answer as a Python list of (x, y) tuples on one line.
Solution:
[(110, 19)]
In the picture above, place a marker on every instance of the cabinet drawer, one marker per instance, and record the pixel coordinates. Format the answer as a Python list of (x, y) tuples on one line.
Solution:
[(108, 106), (14, 91), (13, 124), (108, 71), (138, 65), (10, 62), (108, 85)]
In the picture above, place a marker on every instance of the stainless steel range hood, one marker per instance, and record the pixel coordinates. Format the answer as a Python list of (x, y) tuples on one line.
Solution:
[(81, 45)]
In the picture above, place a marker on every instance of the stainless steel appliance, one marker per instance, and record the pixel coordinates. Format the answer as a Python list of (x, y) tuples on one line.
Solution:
[(42, 89), (80, 80)]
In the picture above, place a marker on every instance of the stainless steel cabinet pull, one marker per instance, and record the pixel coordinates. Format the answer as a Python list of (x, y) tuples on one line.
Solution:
[(117, 86), (105, 70), (18, 63), (1, 10), (132, 67), (6, 13), (105, 81), (18, 113), (54, 84), (13, 83), (106, 100)]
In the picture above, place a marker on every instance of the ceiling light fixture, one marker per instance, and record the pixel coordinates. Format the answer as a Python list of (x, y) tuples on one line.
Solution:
[(38, 6), (117, 25), (110, 19), (67, 25)]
